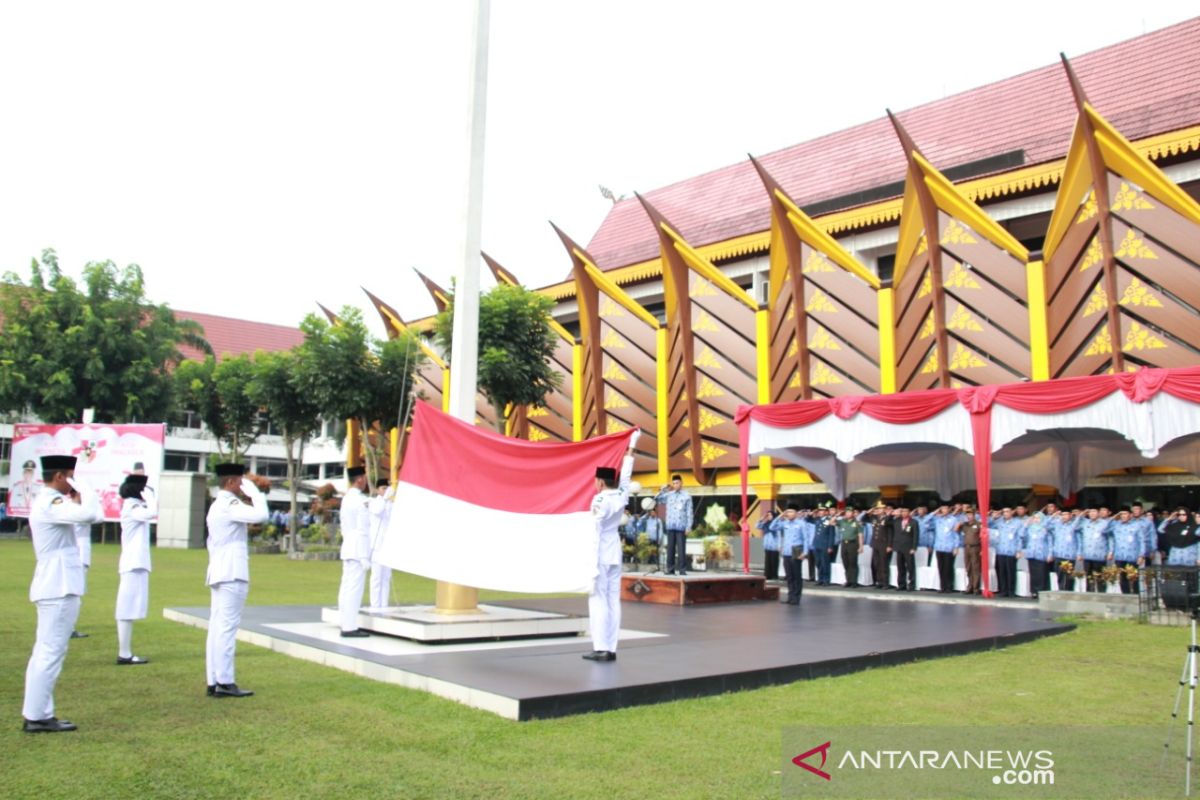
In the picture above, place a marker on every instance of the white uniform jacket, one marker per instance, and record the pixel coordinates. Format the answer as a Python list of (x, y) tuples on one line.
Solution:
[(380, 508), (83, 538), (52, 520), (136, 515), (356, 527), (228, 558), (607, 508)]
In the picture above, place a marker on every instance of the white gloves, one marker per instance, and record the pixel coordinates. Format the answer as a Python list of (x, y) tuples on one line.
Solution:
[(78, 485), (633, 437)]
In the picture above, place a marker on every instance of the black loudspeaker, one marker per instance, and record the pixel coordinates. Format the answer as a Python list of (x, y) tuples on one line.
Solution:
[(1180, 593)]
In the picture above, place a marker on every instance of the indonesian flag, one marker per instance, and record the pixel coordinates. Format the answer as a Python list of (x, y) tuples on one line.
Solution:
[(480, 509)]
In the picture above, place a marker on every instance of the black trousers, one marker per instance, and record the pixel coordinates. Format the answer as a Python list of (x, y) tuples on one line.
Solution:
[(850, 562), (906, 570), (1006, 575), (795, 584), (771, 564), (945, 571), (1092, 569), (881, 567), (677, 551), (1039, 576), (1127, 586)]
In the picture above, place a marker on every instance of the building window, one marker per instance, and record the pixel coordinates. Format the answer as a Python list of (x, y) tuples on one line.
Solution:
[(5, 449), (189, 419), (183, 462), (310, 472), (271, 467)]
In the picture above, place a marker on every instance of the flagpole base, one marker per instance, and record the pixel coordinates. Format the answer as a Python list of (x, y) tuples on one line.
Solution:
[(455, 599)]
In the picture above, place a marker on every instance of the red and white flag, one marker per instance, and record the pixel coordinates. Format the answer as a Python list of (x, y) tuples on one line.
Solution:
[(480, 509)]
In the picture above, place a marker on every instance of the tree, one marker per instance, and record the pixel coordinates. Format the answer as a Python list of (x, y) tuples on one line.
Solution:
[(105, 347), (350, 375), (219, 393), (276, 387), (516, 345)]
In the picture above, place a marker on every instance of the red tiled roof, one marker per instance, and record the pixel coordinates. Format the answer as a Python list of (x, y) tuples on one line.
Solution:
[(1144, 86), (233, 337)]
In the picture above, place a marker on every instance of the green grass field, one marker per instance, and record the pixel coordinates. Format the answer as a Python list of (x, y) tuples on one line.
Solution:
[(316, 732)]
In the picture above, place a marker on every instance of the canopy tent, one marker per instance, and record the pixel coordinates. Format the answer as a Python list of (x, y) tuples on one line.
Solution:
[(1056, 432)]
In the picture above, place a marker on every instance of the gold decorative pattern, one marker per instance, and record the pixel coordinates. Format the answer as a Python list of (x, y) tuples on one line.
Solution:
[(536, 434), (708, 419), (962, 320), (922, 245), (701, 288), (1087, 210), (821, 375), (1098, 302), (708, 389), (707, 359), (710, 452), (965, 359), (615, 373), (613, 400), (819, 302), (931, 363), (610, 309), (1093, 256), (791, 312), (795, 348), (822, 340), (704, 323), (926, 286), (794, 383), (1133, 246), (1139, 294), (1139, 338), (614, 425), (956, 233), (1100, 345), (1130, 199), (816, 262), (537, 411), (927, 327), (960, 278), (612, 341)]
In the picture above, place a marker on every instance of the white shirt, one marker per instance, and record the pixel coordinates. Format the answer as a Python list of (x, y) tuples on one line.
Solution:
[(380, 508), (356, 526), (59, 570), (83, 538), (607, 508), (136, 515), (228, 558)]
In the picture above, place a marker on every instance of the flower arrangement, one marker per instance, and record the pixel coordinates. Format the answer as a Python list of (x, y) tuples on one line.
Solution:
[(1067, 568)]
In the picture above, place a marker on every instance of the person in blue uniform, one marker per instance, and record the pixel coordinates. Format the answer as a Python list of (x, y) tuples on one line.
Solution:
[(793, 548), (679, 522), (946, 543), (1037, 545), (824, 545), (1064, 533), (1005, 535), (1129, 547), (770, 545), (1096, 542)]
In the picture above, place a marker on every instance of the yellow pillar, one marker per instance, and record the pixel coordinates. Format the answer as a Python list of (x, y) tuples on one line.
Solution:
[(660, 405), (394, 454), (762, 350), (445, 390), (577, 392), (353, 443), (1039, 336), (886, 299)]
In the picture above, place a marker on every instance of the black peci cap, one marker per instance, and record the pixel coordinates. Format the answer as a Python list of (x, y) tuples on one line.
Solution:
[(230, 470), (55, 463)]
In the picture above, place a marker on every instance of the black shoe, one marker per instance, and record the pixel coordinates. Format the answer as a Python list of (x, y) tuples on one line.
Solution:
[(600, 655), (230, 690), (210, 690), (78, 635), (793, 602), (51, 725), (132, 660), (681, 572), (357, 633)]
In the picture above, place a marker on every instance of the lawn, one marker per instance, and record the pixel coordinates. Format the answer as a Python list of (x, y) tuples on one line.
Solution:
[(317, 732)]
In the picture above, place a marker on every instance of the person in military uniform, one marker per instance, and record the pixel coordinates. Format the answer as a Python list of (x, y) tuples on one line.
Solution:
[(970, 531), (604, 601), (850, 534), (238, 504), (356, 552), (138, 509), (56, 588), (905, 536), (881, 547), (824, 545)]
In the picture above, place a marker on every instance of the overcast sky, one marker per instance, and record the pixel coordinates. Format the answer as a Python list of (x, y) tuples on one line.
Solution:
[(258, 157)]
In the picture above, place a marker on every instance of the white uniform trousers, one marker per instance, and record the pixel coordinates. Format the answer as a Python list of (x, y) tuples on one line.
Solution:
[(354, 578), (381, 585), (133, 594), (228, 599), (604, 608), (56, 620)]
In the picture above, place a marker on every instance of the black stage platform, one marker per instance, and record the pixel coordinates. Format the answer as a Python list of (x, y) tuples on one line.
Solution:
[(666, 653)]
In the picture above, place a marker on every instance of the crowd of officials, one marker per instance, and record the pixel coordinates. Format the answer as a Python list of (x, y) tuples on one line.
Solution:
[(1052, 540)]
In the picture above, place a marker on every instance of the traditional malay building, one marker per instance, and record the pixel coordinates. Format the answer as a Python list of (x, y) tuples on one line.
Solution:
[(1043, 226)]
